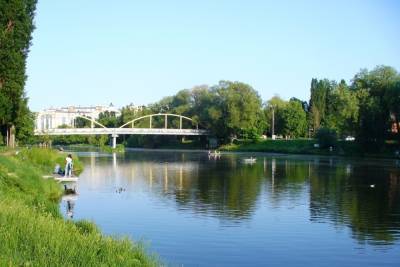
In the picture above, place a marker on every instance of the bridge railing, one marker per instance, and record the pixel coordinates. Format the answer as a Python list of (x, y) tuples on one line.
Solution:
[(103, 130), (131, 123), (118, 131)]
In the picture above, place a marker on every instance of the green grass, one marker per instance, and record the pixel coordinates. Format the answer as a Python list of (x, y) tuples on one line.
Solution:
[(298, 146), (306, 146), (46, 159), (119, 149), (32, 231)]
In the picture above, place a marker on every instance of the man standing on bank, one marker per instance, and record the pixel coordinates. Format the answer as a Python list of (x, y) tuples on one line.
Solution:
[(68, 166)]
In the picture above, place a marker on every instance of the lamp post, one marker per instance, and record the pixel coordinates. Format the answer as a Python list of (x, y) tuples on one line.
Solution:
[(273, 123)]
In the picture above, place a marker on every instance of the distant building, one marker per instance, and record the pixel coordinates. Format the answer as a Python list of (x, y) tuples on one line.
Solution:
[(134, 108), (54, 117)]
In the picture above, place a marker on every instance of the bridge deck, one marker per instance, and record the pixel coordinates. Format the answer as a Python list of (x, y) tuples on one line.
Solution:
[(120, 131)]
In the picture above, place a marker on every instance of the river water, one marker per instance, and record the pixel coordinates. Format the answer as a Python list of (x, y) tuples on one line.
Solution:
[(283, 210)]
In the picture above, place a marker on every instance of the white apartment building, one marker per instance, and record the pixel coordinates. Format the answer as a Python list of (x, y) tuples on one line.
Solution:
[(54, 117)]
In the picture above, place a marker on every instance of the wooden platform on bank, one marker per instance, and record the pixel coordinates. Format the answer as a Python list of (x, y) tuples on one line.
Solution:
[(60, 178)]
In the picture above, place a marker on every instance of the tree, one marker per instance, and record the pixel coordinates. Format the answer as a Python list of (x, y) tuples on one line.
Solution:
[(320, 89), (229, 109), (342, 110), (326, 137), (294, 119), (25, 123), (374, 90), (16, 27), (109, 119), (274, 108), (241, 108)]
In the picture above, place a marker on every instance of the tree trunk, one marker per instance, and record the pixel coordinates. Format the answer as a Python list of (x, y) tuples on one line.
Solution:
[(11, 136)]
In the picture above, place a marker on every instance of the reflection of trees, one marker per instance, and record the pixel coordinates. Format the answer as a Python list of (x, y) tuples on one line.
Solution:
[(287, 178), (218, 188), (229, 192), (346, 198), (339, 190)]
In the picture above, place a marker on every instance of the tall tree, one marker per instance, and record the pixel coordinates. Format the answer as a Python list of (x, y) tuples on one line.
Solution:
[(241, 108), (374, 90), (274, 114), (342, 109), (16, 27), (294, 119), (318, 102)]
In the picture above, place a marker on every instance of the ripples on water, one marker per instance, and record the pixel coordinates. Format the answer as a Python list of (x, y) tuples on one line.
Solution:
[(282, 210)]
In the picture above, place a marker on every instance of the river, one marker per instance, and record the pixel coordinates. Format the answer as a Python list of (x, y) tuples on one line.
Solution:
[(196, 210)]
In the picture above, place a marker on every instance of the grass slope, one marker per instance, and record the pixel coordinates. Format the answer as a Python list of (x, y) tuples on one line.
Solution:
[(32, 231)]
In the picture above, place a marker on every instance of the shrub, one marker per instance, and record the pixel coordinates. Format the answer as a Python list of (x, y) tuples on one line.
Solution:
[(326, 137)]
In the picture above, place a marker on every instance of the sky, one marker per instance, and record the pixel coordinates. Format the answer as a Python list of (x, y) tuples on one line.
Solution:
[(97, 52)]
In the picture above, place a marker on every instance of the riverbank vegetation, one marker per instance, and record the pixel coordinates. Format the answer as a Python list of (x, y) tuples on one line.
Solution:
[(16, 26), (365, 111), (308, 146), (33, 231)]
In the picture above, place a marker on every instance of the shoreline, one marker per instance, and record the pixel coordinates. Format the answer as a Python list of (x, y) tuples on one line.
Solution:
[(36, 232), (284, 148)]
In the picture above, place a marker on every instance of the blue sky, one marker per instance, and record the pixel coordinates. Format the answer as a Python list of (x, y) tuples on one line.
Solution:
[(96, 52)]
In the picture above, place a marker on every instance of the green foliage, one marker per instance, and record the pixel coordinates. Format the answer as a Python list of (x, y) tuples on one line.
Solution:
[(343, 108), (241, 108), (82, 123), (326, 137), (294, 119), (120, 148), (19, 179), (16, 26), (109, 119), (320, 90), (229, 109), (45, 159), (68, 139), (298, 146), (378, 96), (87, 227), (274, 108)]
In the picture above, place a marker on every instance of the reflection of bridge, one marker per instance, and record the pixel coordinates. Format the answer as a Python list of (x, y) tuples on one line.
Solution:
[(114, 132)]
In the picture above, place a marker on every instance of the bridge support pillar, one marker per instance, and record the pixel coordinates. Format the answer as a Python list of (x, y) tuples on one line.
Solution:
[(114, 140)]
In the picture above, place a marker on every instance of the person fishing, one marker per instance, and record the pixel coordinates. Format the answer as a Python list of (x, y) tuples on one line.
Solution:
[(68, 166)]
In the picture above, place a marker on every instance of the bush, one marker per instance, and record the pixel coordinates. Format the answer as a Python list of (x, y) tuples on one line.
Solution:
[(326, 137)]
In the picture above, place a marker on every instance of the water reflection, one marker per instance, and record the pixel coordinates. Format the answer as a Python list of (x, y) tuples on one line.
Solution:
[(336, 191), (69, 202)]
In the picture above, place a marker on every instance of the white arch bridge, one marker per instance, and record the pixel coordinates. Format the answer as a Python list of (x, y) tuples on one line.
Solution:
[(129, 128)]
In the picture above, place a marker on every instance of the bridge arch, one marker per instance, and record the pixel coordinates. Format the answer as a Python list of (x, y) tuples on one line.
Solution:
[(91, 120), (166, 115)]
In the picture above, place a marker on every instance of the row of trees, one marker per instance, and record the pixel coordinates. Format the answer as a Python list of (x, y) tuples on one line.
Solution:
[(367, 108), (16, 26), (229, 110)]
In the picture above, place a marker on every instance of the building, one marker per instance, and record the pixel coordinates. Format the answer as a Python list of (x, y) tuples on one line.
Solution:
[(54, 117), (134, 108)]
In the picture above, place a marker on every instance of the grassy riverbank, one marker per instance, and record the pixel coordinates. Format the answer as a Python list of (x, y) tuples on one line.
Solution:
[(33, 231), (306, 146)]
